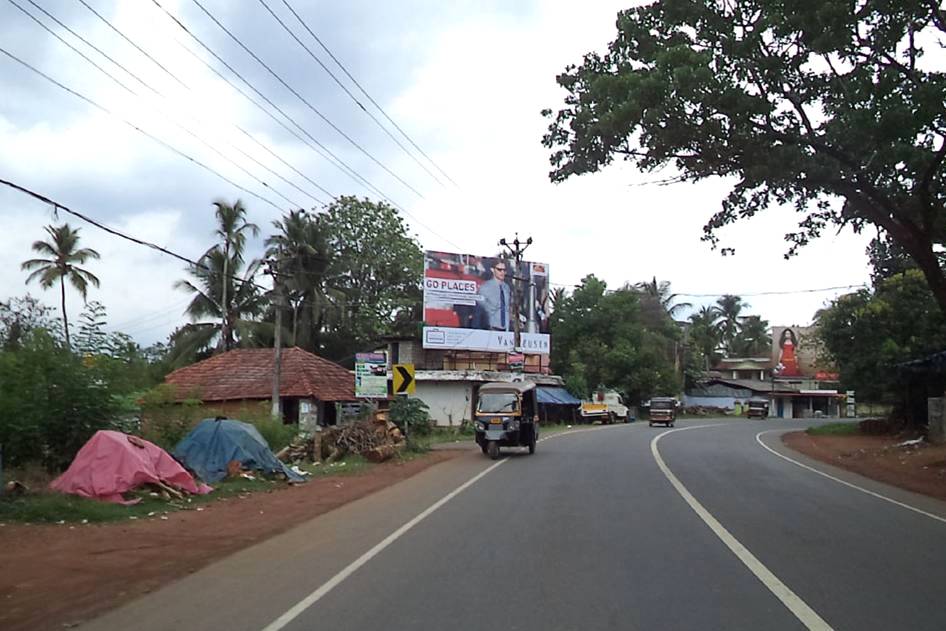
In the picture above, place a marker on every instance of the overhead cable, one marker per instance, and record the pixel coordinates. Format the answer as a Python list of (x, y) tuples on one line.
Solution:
[(363, 91), (347, 91), (166, 98), (139, 129), (319, 148), (305, 101), (58, 206)]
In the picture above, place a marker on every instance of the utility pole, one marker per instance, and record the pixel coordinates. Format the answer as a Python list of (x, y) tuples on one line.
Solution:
[(515, 250), (272, 270)]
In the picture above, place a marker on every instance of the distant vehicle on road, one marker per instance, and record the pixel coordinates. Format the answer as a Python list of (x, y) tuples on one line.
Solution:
[(663, 411), (758, 408), (606, 406)]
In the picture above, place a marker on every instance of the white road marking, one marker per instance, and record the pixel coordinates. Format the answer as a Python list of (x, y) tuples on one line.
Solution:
[(805, 614), (758, 438), (333, 582), (336, 580)]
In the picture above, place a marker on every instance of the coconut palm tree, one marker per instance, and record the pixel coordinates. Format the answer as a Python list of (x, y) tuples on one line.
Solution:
[(730, 309), (704, 333), (753, 339), (302, 249), (232, 228), (661, 295), (207, 310), (64, 257)]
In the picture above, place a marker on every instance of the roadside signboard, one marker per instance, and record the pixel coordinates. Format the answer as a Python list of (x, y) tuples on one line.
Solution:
[(371, 375), (403, 375)]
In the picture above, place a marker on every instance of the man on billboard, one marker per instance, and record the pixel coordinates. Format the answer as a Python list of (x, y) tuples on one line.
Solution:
[(496, 298)]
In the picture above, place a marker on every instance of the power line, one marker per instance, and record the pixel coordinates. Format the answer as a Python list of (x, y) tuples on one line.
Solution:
[(135, 94), (744, 295), (163, 96), (312, 143), (304, 100), (139, 129), (57, 207), (363, 91), (346, 90), (141, 50)]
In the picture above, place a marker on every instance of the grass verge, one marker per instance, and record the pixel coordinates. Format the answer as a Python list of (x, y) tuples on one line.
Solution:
[(834, 429)]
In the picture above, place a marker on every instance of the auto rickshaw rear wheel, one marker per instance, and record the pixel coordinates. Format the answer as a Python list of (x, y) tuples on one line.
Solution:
[(492, 448)]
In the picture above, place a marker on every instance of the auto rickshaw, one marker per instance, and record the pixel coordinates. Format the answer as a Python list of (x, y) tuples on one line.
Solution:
[(758, 408), (507, 415), (663, 411)]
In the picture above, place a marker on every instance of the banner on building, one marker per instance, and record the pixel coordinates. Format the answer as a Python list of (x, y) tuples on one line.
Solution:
[(469, 303), (371, 375)]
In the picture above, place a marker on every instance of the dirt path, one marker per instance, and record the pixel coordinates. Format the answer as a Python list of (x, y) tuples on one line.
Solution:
[(52, 577)]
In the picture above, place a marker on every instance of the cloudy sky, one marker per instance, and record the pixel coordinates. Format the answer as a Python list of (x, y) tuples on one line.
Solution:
[(465, 79)]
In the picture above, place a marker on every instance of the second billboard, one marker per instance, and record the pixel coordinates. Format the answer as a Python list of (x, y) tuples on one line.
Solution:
[(468, 303)]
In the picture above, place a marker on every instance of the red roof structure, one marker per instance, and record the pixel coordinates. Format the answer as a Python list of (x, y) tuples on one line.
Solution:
[(247, 373)]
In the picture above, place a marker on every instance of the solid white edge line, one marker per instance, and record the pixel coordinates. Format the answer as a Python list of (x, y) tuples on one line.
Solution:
[(758, 438), (805, 614), (333, 582)]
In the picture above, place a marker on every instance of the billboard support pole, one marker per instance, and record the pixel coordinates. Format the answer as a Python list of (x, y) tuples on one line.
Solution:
[(515, 250), (272, 269)]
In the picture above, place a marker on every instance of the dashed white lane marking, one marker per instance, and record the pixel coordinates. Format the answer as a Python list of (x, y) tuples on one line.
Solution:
[(333, 582), (350, 569), (758, 438), (805, 614)]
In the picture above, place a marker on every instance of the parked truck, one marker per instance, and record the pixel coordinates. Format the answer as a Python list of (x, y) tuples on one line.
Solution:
[(606, 406)]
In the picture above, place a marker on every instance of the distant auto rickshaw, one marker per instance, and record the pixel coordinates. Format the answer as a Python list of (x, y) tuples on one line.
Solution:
[(506, 416), (663, 411), (758, 408)]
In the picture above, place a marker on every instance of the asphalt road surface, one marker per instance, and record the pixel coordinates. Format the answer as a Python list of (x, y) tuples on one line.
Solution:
[(618, 527)]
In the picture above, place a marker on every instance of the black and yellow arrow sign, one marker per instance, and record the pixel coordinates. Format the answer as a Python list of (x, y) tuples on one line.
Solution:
[(404, 379)]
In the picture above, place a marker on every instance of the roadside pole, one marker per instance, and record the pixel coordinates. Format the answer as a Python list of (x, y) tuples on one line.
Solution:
[(515, 250), (271, 269)]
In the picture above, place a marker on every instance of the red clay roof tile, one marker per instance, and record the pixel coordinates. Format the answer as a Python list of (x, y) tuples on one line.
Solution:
[(247, 373)]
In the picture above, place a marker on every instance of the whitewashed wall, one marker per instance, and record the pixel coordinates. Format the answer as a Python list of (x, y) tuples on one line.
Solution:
[(450, 402)]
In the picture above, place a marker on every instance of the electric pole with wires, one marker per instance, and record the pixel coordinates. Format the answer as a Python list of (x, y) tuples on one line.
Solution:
[(272, 269), (515, 250)]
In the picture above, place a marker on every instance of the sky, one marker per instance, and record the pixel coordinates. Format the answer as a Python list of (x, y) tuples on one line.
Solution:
[(466, 80)]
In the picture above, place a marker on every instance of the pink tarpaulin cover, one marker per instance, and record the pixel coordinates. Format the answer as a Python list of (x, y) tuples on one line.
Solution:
[(112, 463)]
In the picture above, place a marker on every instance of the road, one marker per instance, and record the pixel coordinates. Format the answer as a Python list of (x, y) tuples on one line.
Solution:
[(617, 527)]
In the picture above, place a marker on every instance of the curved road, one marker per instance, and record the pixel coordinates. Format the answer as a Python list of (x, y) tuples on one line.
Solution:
[(619, 527)]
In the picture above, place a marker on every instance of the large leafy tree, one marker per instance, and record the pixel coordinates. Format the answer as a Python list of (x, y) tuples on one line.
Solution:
[(63, 258), (375, 272), (600, 339), (865, 333), (834, 107)]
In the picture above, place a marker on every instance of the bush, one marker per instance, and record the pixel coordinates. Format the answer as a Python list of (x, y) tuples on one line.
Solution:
[(51, 402), (412, 413), (164, 421), (276, 433)]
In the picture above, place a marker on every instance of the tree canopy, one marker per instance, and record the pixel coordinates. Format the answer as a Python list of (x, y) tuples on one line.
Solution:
[(832, 107)]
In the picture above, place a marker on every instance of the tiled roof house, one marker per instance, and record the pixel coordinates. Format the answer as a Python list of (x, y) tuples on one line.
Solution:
[(232, 380)]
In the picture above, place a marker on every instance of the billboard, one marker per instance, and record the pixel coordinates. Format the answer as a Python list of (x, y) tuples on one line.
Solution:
[(469, 303), (371, 375)]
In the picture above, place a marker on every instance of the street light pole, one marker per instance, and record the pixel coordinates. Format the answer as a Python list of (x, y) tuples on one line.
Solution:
[(515, 250)]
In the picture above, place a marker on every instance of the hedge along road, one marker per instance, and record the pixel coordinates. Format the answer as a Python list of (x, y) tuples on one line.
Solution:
[(588, 533)]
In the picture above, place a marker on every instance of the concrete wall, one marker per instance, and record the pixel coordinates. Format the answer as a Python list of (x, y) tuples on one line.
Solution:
[(450, 402)]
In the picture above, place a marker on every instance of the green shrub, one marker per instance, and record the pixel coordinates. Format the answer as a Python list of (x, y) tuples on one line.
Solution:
[(51, 402), (164, 421), (413, 414)]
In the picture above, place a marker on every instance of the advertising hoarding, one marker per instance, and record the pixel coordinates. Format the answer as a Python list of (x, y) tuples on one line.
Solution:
[(371, 375), (468, 303)]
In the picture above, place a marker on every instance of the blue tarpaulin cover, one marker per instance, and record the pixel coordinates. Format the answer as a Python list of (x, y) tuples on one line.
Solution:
[(214, 443), (556, 396)]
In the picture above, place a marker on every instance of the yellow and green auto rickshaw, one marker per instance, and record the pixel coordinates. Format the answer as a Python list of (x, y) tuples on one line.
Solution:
[(507, 415)]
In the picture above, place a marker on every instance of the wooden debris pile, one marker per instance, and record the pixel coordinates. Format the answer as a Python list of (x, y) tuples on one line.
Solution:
[(377, 440)]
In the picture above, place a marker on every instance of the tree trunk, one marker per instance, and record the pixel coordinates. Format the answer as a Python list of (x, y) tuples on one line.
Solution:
[(224, 307), (65, 319), (928, 263)]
